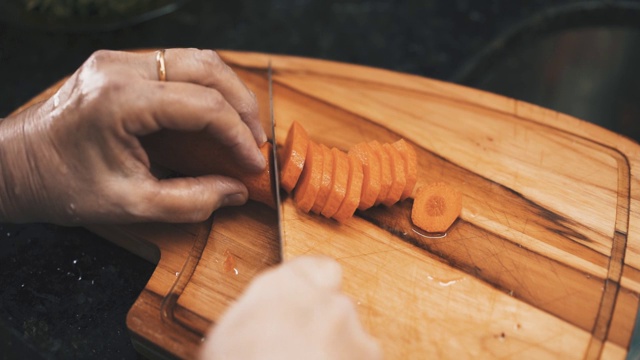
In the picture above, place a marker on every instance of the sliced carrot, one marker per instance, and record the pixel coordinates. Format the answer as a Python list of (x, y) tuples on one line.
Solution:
[(340, 178), (354, 189), (411, 166), (371, 174), (292, 156), (309, 184), (325, 186), (258, 184), (436, 207), (385, 170), (398, 179)]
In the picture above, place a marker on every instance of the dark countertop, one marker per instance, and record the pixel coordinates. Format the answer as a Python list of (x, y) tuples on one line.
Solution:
[(64, 291)]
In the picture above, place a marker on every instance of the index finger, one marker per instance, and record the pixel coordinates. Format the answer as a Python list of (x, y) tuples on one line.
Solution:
[(206, 68)]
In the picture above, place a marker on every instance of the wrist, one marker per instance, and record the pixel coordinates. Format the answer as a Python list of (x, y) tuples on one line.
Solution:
[(16, 186)]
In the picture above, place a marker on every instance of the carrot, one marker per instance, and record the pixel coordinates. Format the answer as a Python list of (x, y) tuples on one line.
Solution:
[(311, 178), (398, 179), (258, 184), (436, 207), (354, 189), (385, 170), (411, 166), (325, 185), (340, 178), (371, 174), (292, 156)]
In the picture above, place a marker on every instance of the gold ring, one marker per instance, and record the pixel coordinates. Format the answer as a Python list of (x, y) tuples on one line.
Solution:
[(162, 70)]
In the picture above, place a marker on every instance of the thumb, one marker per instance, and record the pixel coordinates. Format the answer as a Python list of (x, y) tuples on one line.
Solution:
[(189, 199)]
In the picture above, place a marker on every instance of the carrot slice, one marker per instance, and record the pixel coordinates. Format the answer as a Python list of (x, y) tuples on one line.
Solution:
[(340, 178), (258, 184), (398, 179), (411, 166), (371, 174), (325, 186), (385, 170), (292, 156), (309, 184), (436, 207), (354, 189)]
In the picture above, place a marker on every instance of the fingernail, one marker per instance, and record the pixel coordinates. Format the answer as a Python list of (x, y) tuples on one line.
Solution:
[(234, 199), (260, 160)]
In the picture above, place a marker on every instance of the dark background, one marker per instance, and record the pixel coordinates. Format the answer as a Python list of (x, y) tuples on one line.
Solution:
[(64, 292)]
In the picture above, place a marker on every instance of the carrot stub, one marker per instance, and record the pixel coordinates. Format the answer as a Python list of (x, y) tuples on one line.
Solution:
[(385, 170), (371, 174), (354, 189), (398, 176), (436, 207), (258, 184), (340, 177), (309, 184), (325, 184), (292, 156), (411, 166)]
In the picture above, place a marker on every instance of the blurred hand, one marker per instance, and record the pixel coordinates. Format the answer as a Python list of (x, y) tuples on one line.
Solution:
[(294, 311), (76, 158)]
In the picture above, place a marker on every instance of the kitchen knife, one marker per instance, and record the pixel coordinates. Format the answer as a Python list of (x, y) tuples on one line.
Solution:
[(275, 170)]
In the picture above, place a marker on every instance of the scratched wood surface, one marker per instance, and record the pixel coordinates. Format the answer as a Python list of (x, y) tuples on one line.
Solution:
[(543, 262)]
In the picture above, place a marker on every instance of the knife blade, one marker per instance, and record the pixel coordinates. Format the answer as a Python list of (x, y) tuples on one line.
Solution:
[(275, 169)]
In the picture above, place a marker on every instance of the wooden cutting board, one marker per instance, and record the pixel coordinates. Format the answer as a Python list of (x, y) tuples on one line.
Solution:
[(543, 263)]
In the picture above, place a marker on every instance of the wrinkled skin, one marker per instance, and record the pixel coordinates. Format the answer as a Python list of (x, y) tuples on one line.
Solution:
[(295, 311), (75, 159)]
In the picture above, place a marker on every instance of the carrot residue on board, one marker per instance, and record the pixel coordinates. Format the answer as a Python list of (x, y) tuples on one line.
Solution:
[(229, 264)]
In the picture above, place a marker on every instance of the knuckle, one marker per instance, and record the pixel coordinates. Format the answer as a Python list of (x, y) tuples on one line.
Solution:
[(141, 205), (250, 107), (101, 57), (210, 61), (215, 103)]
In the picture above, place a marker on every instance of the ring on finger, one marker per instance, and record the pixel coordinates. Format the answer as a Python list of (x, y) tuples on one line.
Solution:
[(162, 69)]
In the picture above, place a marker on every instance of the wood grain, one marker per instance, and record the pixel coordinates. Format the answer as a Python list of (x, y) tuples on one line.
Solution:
[(543, 263)]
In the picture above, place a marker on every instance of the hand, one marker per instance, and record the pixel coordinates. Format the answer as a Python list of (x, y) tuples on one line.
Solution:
[(295, 311), (76, 158)]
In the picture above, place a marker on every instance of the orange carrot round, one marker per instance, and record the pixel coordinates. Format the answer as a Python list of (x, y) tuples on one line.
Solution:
[(371, 174), (309, 184), (354, 189), (325, 185), (292, 156), (398, 179), (436, 207), (385, 170), (259, 184), (340, 178), (411, 166)]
